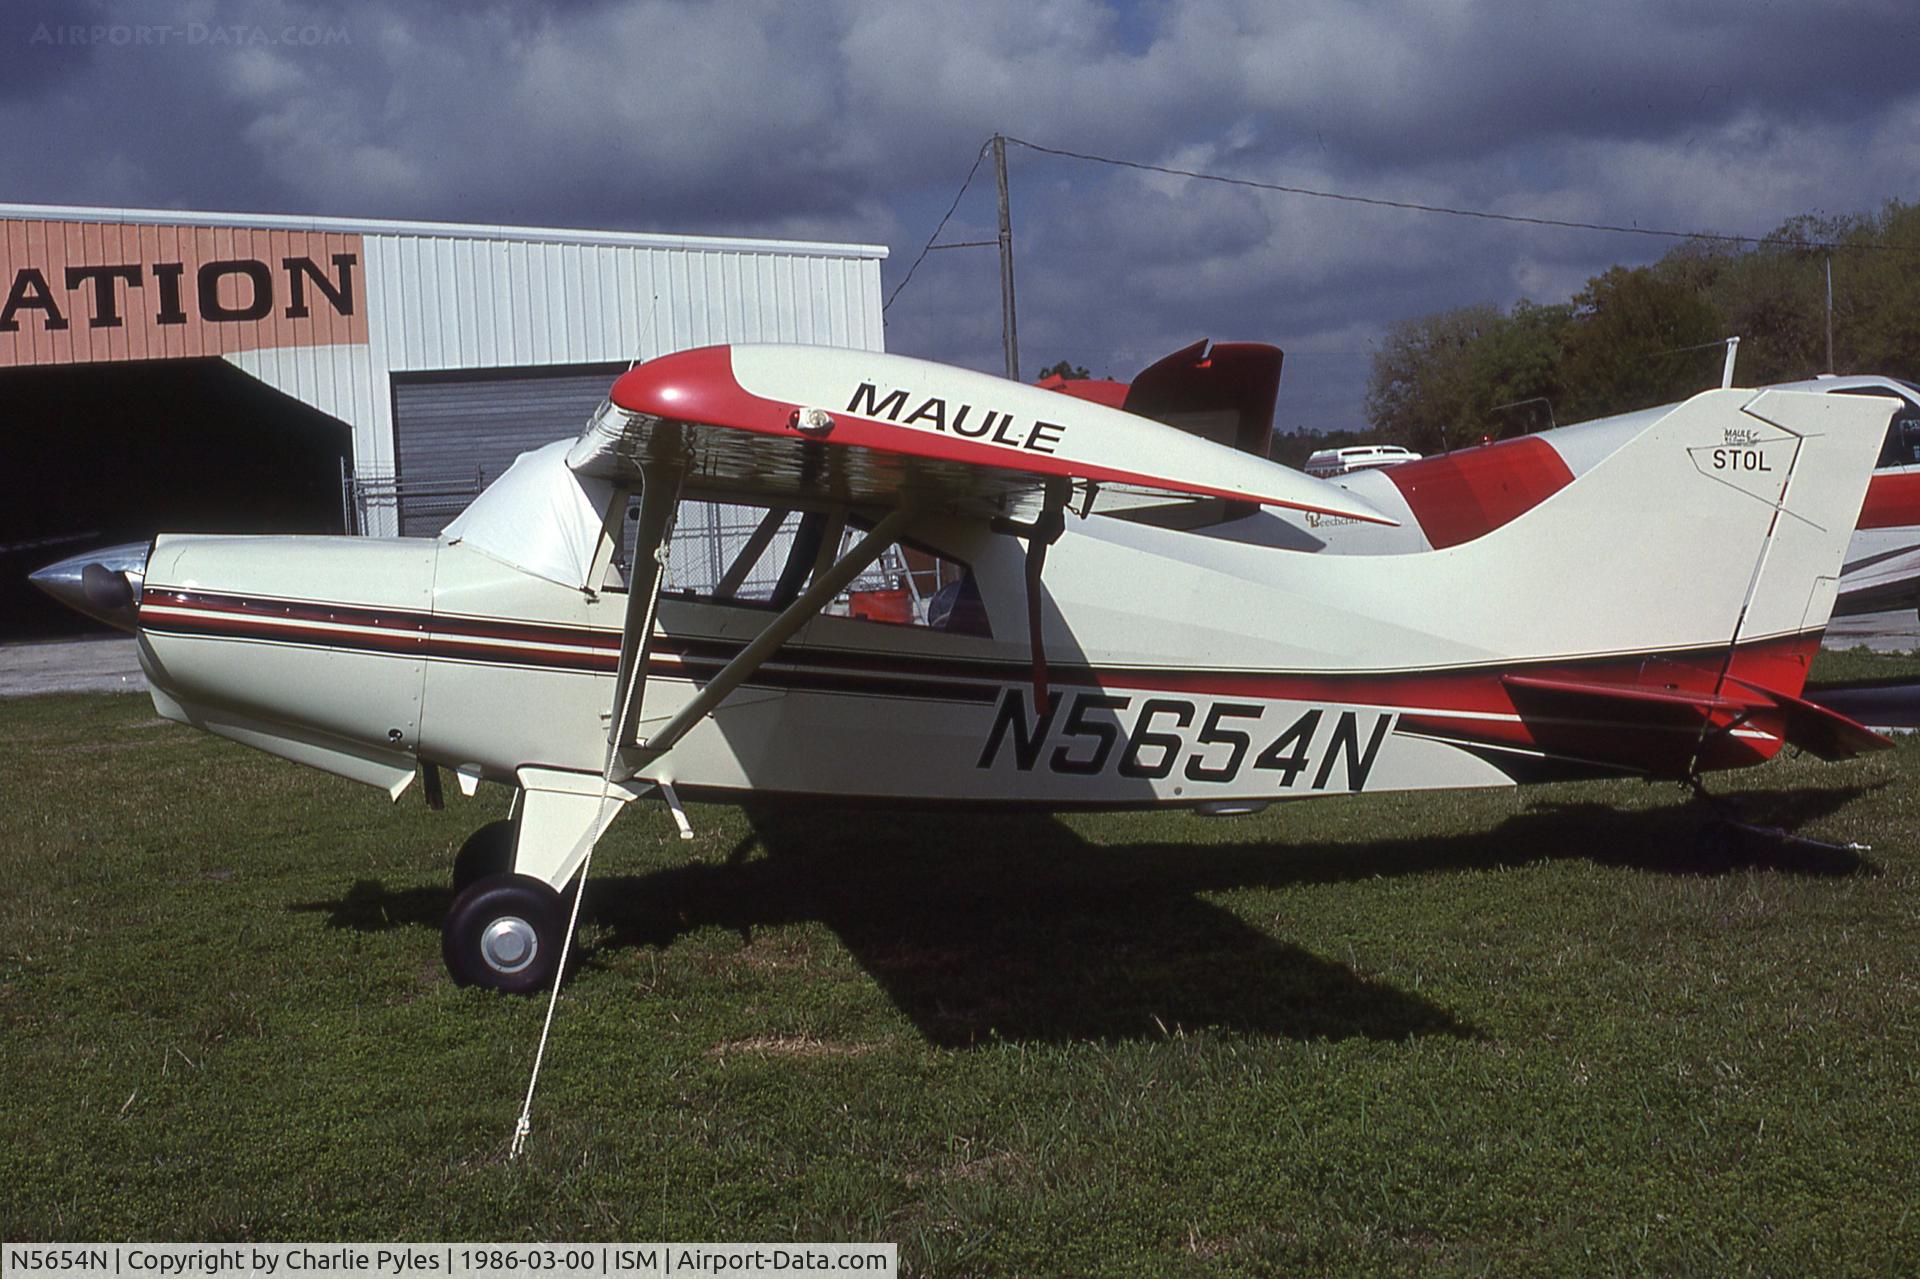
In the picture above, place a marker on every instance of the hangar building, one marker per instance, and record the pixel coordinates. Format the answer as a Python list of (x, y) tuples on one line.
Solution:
[(212, 371)]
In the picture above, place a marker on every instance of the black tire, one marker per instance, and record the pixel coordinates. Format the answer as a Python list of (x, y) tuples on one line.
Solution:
[(504, 933), (488, 851)]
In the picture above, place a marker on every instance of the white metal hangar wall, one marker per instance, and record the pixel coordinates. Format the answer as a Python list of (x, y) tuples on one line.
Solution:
[(447, 348)]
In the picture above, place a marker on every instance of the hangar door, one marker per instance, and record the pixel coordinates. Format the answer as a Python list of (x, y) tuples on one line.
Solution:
[(92, 455), (454, 433)]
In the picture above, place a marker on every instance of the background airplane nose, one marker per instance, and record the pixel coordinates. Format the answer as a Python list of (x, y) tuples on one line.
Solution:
[(103, 584)]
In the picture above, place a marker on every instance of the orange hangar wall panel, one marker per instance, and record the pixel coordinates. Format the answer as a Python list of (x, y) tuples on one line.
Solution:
[(89, 292)]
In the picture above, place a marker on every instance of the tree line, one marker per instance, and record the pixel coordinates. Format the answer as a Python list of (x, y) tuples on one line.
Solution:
[(1639, 336)]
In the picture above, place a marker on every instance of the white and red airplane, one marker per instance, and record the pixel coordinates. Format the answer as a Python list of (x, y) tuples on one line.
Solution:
[(1450, 498), (1654, 618)]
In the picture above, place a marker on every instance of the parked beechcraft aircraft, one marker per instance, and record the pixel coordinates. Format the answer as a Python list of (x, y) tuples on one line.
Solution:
[(1095, 644)]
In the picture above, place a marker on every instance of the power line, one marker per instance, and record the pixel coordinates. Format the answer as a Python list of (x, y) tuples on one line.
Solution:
[(937, 230), (1484, 214)]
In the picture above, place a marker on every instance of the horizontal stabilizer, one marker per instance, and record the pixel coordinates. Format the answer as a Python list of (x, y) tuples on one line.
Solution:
[(1654, 702), (1823, 732), (1659, 731)]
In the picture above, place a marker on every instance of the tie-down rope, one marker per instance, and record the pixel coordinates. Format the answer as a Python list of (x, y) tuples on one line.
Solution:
[(524, 1124)]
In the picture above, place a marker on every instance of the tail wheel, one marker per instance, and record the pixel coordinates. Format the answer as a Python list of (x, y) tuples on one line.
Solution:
[(504, 933), (488, 851)]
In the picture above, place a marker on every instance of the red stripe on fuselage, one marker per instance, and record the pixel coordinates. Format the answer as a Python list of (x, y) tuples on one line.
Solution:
[(401, 621), (1893, 500), (1779, 664)]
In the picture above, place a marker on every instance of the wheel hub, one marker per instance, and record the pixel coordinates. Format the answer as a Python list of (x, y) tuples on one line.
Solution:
[(509, 944)]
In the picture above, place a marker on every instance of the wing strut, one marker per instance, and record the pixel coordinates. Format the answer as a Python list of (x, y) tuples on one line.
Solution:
[(802, 610), (659, 502), (1044, 530)]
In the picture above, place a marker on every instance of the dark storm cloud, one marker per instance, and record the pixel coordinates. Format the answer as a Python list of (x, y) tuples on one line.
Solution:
[(855, 119), (36, 48), (1397, 83)]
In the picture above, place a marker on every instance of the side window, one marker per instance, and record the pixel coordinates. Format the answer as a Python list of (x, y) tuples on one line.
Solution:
[(719, 551), (1902, 446), (760, 556), (1903, 440), (730, 551), (914, 585)]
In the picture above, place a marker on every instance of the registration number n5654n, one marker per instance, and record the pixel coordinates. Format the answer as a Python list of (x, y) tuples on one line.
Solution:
[(1089, 733)]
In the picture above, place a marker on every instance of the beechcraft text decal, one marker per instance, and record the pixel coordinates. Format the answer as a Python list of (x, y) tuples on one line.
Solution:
[(965, 420), (1090, 733)]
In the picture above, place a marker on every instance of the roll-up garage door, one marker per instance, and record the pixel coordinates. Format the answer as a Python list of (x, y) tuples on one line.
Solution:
[(455, 433)]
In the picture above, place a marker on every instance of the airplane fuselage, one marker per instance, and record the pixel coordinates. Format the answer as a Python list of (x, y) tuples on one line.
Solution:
[(1179, 670)]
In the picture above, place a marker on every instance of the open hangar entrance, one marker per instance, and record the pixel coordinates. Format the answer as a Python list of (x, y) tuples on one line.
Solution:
[(100, 454), (163, 370)]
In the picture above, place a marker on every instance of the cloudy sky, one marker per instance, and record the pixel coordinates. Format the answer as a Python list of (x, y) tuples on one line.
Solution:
[(857, 119)]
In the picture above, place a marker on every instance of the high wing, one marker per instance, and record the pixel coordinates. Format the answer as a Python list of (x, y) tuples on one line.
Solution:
[(863, 428), (799, 424)]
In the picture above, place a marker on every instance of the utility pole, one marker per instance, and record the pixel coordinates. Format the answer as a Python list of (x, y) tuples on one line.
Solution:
[(1009, 329), (1829, 312)]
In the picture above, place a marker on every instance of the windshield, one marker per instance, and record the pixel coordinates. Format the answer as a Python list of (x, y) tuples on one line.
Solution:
[(540, 517)]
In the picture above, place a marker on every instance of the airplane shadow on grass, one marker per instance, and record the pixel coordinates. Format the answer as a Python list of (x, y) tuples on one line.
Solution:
[(1013, 927)]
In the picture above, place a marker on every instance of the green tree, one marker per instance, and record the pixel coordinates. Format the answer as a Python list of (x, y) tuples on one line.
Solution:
[(1770, 296), (1637, 339), (1068, 371), (1639, 336), (1517, 367), (1876, 294), (1423, 387), (1447, 380), (1773, 296)]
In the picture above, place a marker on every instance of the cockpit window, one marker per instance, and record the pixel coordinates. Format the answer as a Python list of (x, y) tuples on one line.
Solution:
[(1902, 445), (1903, 441), (761, 556), (915, 585), (539, 517), (721, 551)]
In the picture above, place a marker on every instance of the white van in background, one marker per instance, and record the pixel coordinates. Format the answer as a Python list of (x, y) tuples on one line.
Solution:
[(1357, 457)]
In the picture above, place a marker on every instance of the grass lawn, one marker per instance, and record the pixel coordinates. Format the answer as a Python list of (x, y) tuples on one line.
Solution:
[(1506, 1033)]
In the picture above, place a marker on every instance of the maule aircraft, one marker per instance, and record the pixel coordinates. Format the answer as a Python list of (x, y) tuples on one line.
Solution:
[(1087, 637)]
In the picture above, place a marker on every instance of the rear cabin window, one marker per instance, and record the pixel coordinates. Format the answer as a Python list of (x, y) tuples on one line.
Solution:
[(1902, 445), (763, 557)]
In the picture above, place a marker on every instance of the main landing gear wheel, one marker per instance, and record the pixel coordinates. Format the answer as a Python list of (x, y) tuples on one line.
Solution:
[(504, 933), (488, 851)]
